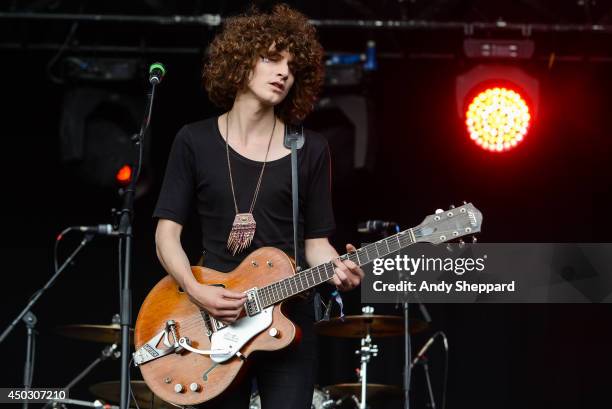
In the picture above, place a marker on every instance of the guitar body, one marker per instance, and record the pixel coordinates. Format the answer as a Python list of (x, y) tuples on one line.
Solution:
[(209, 374)]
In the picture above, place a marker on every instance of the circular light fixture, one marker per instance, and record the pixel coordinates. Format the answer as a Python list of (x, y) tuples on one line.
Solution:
[(498, 119)]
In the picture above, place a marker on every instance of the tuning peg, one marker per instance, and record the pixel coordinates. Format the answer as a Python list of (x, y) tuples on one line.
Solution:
[(451, 206), (474, 239), (438, 211)]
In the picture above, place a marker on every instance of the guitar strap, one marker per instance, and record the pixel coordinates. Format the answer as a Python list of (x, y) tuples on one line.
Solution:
[(294, 140)]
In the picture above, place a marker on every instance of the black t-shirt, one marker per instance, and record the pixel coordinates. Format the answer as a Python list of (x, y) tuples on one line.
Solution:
[(197, 174)]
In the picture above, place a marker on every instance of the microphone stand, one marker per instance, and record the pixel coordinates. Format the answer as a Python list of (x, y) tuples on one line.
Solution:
[(126, 250), (28, 369), (424, 362), (30, 319), (407, 352), (109, 351), (407, 340)]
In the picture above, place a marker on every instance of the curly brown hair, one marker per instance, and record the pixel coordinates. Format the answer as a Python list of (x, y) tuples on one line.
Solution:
[(233, 53)]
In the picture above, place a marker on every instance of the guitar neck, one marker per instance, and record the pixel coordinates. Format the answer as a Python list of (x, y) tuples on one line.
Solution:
[(307, 279)]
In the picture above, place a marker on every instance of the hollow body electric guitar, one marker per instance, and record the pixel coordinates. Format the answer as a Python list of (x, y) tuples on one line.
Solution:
[(187, 357)]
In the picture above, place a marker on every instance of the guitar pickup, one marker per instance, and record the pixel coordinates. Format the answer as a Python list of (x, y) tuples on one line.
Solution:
[(252, 305)]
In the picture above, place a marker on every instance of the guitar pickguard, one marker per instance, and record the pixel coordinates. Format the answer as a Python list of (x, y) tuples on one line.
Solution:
[(235, 336)]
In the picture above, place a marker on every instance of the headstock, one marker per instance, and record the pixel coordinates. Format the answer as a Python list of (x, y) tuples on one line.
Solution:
[(446, 225)]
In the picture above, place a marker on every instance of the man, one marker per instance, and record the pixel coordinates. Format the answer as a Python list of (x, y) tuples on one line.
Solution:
[(265, 69)]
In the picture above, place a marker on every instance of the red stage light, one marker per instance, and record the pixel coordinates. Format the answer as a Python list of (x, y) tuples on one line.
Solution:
[(498, 119), (124, 175)]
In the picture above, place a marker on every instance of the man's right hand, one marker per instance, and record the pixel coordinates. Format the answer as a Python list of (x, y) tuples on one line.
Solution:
[(224, 305)]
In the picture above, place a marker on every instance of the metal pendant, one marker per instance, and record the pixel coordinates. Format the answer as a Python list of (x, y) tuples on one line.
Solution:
[(243, 231)]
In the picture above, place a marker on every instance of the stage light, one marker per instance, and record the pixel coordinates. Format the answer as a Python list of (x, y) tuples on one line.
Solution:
[(498, 105), (124, 175), (497, 119), (96, 135)]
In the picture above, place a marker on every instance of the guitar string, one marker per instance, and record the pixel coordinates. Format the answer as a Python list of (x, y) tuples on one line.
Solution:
[(404, 240)]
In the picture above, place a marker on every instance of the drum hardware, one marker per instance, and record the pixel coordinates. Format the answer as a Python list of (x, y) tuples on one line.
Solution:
[(357, 326), (365, 353), (320, 400), (375, 391), (106, 334), (96, 333), (30, 319), (366, 326), (111, 392), (95, 404), (111, 351)]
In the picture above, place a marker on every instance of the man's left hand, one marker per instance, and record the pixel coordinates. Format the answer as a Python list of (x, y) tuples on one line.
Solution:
[(347, 274)]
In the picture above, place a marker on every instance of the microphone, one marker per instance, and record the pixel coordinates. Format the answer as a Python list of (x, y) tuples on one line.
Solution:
[(423, 350), (100, 230), (375, 226), (156, 72)]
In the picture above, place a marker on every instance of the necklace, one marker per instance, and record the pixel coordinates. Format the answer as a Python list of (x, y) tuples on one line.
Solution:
[(243, 228)]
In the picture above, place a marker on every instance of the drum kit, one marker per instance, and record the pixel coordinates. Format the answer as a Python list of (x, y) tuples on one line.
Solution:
[(366, 327)]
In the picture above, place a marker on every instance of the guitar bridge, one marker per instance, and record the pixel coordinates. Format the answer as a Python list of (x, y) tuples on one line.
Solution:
[(252, 305)]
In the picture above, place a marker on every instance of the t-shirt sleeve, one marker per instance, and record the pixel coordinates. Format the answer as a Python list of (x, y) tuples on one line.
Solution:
[(177, 191), (319, 214)]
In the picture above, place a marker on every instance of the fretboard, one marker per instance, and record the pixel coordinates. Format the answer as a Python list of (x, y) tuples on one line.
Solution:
[(307, 279)]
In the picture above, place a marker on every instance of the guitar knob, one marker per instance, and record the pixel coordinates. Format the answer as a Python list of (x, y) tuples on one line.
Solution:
[(274, 333), (178, 388), (194, 387), (367, 309)]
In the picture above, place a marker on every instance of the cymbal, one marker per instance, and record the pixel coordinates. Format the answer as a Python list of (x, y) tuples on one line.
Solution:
[(373, 390), (357, 326), (111, 391), (107, 334)]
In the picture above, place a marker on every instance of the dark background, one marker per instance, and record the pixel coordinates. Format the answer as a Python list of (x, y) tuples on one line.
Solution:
[(555, 187)]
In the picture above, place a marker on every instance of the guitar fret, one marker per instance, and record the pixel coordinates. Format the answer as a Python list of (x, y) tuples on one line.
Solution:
[(331, 266), (290, 286), (378, 250), (274, 287), (370, 252)]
